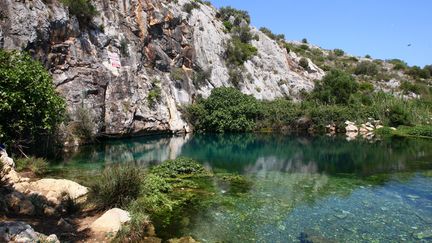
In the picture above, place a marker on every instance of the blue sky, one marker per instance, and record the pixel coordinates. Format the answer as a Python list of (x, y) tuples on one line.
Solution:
[(381, 28)]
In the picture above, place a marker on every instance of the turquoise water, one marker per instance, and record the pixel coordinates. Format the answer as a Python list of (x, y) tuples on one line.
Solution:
[(304, 189)]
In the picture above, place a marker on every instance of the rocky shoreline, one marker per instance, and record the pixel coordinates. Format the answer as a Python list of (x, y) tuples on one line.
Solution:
[(32, 207)]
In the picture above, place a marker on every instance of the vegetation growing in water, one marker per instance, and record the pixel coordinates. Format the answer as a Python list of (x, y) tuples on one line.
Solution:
[(30, 108)]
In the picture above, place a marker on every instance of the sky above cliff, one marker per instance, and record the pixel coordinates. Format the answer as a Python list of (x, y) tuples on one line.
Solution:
[(384, 29)]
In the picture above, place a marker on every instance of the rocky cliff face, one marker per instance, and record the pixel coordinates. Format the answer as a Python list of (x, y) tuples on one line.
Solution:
[(132, 48)]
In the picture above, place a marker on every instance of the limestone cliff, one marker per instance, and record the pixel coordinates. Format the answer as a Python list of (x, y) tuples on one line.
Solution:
[(111, 66)]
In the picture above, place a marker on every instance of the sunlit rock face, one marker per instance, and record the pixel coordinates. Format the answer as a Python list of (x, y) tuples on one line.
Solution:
[(111, 65)]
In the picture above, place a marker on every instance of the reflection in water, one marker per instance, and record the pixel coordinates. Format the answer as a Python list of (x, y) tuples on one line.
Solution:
[(251, 153), (318, 189)]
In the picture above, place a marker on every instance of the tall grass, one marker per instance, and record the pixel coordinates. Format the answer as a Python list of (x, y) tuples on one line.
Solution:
[(117, 187)]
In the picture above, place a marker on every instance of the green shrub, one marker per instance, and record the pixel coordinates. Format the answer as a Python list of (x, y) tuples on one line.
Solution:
[(228, 25), (366, 68), (338, 52), (201, 76), (305, 41), (227, 109), (188, 7), (117, 186), (178, 74), (418, 73), (428, 68), (398, 64), (238, 52), (124, 48), (270, 34), (226, 12), (242, 33), (335, 88), (304, 63), (407, 87), (30, 107), (39, 166), (397, 115), (82, 9), (155, 94), (236, 76), (327, 114)]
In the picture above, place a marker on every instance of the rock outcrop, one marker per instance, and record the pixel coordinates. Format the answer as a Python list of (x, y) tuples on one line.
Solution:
[(49, 194), (111, 65)]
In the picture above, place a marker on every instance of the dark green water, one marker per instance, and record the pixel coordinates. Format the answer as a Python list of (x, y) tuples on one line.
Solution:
[(318, 189)]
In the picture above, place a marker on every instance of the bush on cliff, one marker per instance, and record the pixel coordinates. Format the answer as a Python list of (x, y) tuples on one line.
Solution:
[(30, 106), (82, 9)]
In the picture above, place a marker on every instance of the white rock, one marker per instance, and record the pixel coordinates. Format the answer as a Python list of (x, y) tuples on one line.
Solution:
[(54, 188), (111, 221), (351, 129)]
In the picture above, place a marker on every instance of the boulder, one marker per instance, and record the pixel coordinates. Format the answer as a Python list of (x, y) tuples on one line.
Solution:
[(110, 221), (56, 188)]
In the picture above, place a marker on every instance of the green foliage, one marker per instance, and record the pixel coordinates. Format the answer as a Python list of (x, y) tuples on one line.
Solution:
[(418, 73), (228, 25), (304, 63), (338, 52), (178, 74), (201, 76), (239, 52), (124, 48), (335, 88), (366, 68), (227, 109), (155, 94), (407, 87), (398, 64), (188, 7), (178, 167), (323, 115), (30, 107), (82, 9), (269, 33), (368, 56), (118, 186), (39, 166), (418, 131), (239, 15), (304, 41), (242, 33), (397, 116)]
